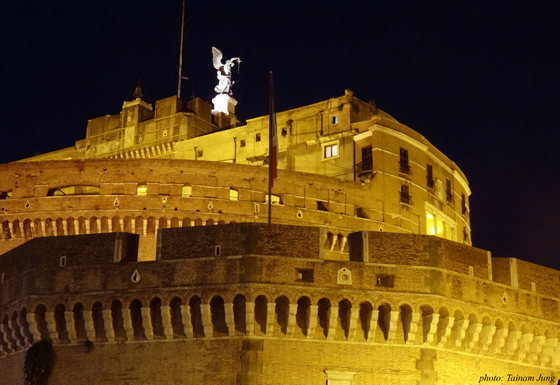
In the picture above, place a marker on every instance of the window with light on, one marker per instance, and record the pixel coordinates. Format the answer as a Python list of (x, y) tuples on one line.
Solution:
[(331, 151), (438, 226)]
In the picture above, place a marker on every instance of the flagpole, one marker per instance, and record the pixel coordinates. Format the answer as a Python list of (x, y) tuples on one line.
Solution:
[(270, 133), (181, 52)]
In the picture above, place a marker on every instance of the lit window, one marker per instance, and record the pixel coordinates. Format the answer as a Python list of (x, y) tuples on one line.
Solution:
[(439, 224), (233, 195), (275, 199), (334, 120), (331, 151), (142, 189), (186, 191)]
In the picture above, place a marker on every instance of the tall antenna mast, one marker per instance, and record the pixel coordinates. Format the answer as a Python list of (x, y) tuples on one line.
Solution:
[(181, 53)]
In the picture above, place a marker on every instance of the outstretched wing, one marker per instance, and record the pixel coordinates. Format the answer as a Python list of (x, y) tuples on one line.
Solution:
[(217, 57)]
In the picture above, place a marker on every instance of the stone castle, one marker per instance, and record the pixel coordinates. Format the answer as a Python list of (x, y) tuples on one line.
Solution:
[(143, 254)]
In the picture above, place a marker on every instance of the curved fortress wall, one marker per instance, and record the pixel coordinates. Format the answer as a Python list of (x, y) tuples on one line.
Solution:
[(250, 303)]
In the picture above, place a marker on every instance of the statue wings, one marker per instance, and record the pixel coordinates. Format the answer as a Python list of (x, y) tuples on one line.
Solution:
[(217, 58)]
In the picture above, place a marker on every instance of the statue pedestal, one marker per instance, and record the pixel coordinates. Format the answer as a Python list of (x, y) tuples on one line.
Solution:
[(224, 103)]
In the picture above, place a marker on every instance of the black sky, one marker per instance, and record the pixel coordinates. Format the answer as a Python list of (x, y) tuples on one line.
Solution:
[(479, 79)]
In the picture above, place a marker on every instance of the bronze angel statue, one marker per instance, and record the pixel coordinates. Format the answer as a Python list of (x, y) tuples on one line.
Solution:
[(224, 71)]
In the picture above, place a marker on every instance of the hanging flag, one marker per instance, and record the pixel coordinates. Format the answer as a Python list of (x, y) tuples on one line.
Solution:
[(273, 136)]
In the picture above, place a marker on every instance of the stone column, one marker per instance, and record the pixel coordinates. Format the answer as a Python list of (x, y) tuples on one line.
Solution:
[(88, 324), (144, 226), (98, 221), (121, 221), (206, 320), (249, 318), (108, 324), (486, 337), (412, 325), (391, 320), (43, 224), (33, 327), (230, 321), (127, 324), (458, 333), (76, 224), (11, 227), (187, 324), (511, 344), (133, 225), (110, 224), (536, 349), (65, 227), (291, 320), (33, 232), (166, 320), (270, 315), (180, 224), (333, 319), (6, 332), (88, 225), (473, 332), (372, 327), (51, 326), (169, 223), (445, 332), (498, 341), (429, 327), (147, 323), (355, 312), (70, 326), (313, 309)]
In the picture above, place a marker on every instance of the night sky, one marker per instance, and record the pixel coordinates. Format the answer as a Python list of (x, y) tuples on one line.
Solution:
[(479, 79)]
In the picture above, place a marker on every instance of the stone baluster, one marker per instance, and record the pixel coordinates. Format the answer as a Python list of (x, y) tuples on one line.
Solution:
[(166, 321), (445, 327), (33, 232), (458, 333), (108, 325), (43, 224), (555, 361), (54, 225), (88, 225), (127, 324), (535, 349), (429, 327), (89, 326), (473, 333), (180, 224), (249, 318), (16, 335), (65, 227), (6, 333), (270, 315), (372, 325), (21, 230), (353, 324), (26, 343), (230, 320), (498, 341), (292, 311), (187, 323), (11, 227), (511, 344), (147, 323), (332, 313), (169, 223), (98, 221), (76, 224), (133, 225), (548, 350), (144, 226), (485, 338), (411, 331), (110, 224), (156, 226), (391, 320), (70, 326), (51, 327), (33, 329), (206, 320), (524, 345), (121, 222), (313, 309)]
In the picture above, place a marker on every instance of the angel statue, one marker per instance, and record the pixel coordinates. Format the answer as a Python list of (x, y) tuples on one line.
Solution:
[(224, 71)]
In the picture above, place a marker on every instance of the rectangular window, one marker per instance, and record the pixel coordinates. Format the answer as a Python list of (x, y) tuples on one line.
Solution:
[(404, 167), (405, 197), (257, 137), (367, 159), (448, 192), (334, 120), (430, 176), (439, 225), (463, 204), (242, 143), (331, 151)]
